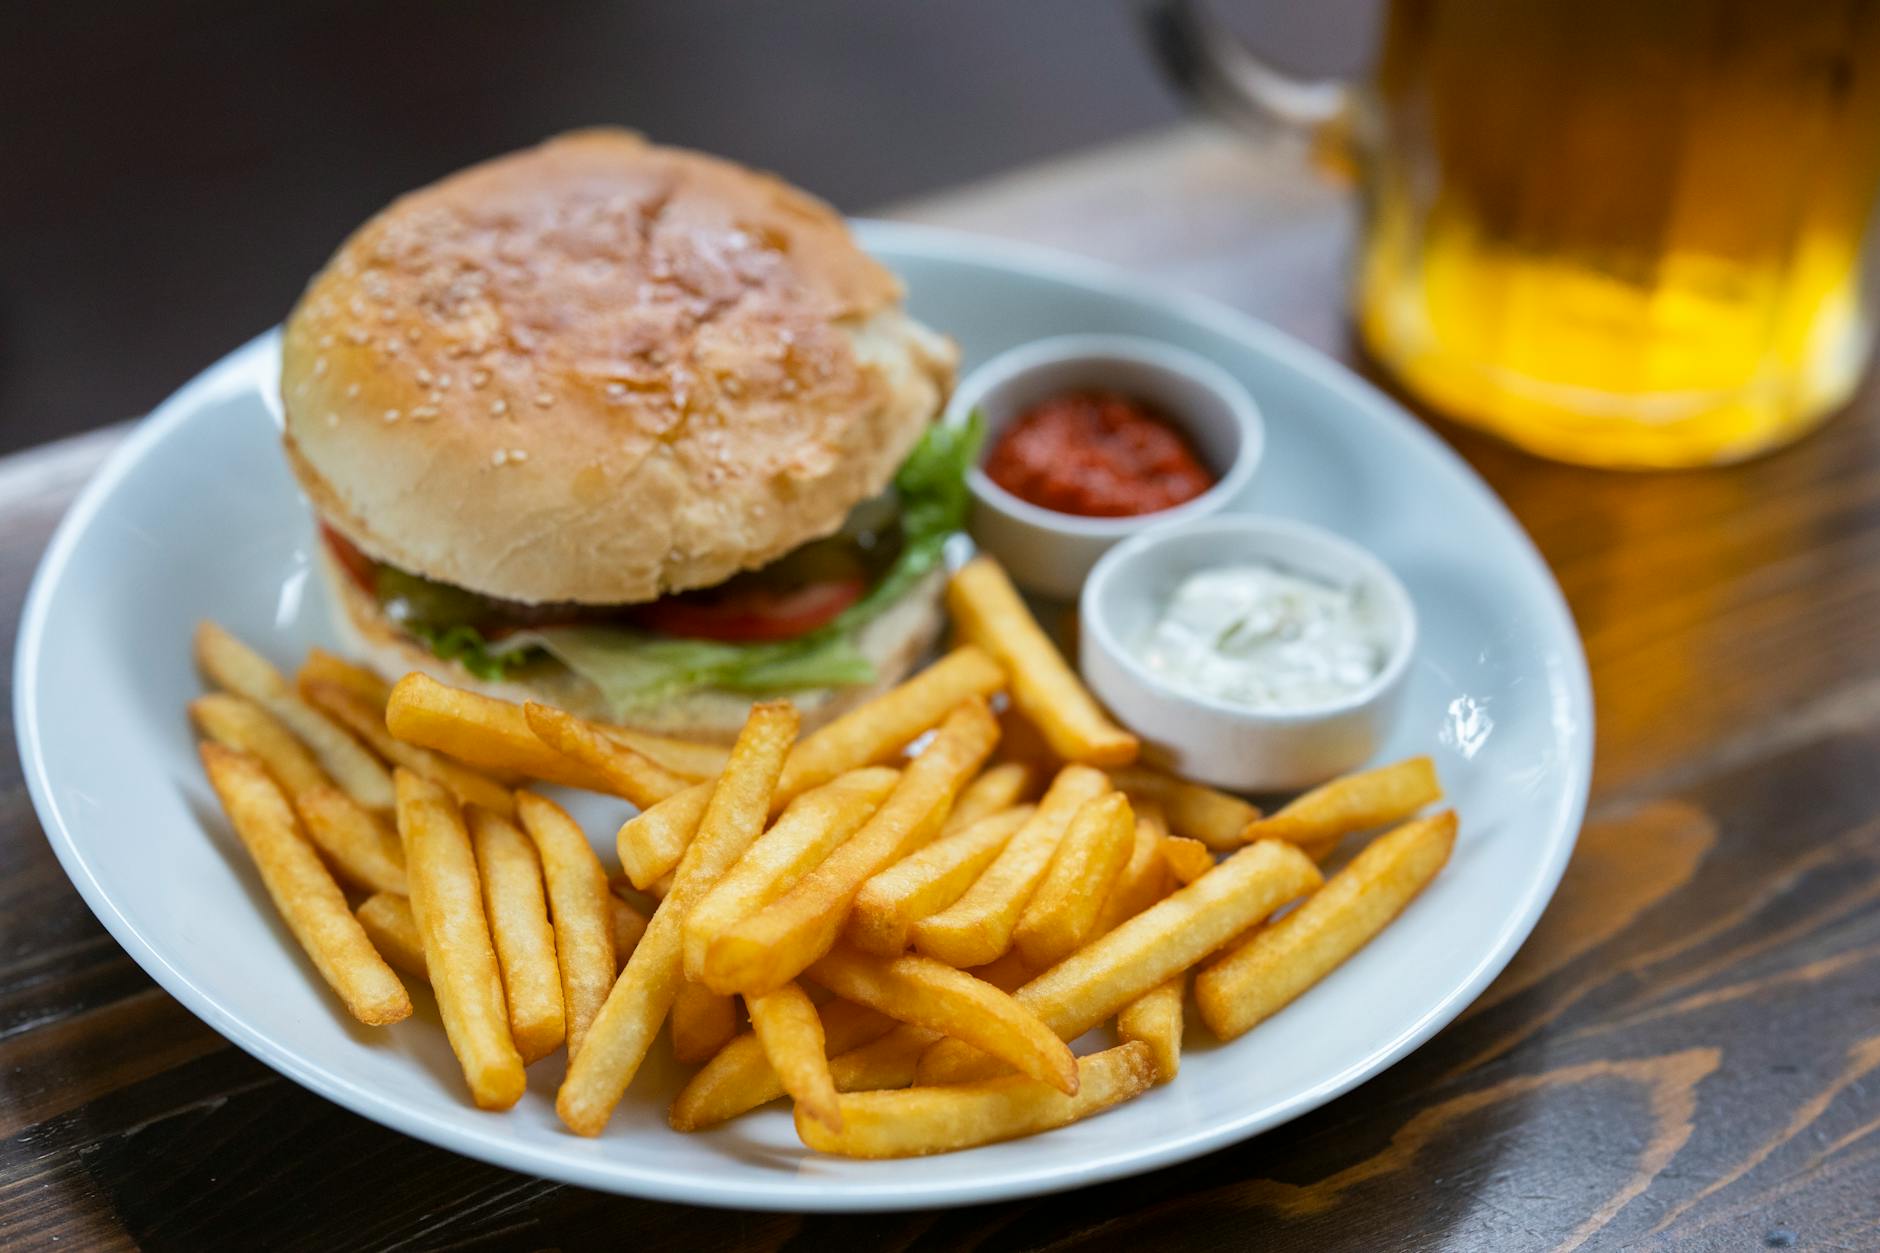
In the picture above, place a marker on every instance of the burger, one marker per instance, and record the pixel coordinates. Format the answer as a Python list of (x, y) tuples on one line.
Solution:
[(627, 428)]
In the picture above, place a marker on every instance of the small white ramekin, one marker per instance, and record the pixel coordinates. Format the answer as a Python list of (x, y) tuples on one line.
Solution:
[(1049, 552), (1213, 740)]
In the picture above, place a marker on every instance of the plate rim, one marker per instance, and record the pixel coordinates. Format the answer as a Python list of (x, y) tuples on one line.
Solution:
[(795, 1193)]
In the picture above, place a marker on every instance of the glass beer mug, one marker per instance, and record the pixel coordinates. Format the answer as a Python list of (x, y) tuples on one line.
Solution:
[(1618, 232)]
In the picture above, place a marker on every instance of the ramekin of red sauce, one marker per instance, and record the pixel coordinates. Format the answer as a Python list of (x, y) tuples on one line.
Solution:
[(1091, 438)]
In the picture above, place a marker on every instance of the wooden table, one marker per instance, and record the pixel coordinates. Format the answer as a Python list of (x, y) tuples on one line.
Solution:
[(1684, 1054)]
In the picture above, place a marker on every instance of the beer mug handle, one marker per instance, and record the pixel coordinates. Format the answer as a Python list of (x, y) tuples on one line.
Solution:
[(1208, 62)]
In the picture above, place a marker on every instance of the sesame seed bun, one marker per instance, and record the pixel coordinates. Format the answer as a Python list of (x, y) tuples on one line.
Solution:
[(599, 371), (895, 642)]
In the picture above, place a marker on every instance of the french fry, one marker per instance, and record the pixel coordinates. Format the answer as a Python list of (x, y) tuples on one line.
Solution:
[(996, 789), (487, 733), (617, 1041), (1271, 968), (812, 825), (651, 842), (310, 903), (1144, 880), (235, 667), (870, 734), (366, 722), (239, 723), (324, 667), (740, 1077), (386, 917), (1155, 1019), (702, 1023), (447, 903), (511, 873), (888, 1062), (987, 610), (978, 927), (917, 1121), (874, 732), (787, 1026), (928, 994), (1383, 797), (689, 759), (1194, 810), (1188, 859), (629, 926), (1063, 911), (1156, 945), (355, 841), (357, 772), (626, 772), (582, 910), (769, 948), (927, 881)]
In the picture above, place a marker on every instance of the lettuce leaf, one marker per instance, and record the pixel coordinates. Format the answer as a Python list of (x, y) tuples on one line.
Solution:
[(466, 646), (634, 669)]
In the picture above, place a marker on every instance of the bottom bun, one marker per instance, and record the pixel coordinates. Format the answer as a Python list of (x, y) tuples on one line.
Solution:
[(895, 642)]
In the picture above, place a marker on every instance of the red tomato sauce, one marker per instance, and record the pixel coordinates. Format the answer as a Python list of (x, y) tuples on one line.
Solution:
[(1099, 455)]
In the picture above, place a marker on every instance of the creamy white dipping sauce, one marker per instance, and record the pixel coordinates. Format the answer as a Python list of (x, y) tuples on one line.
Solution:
[(1257, 636)]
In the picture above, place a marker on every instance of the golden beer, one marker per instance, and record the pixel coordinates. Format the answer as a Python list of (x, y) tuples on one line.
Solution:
[(1623, 232)]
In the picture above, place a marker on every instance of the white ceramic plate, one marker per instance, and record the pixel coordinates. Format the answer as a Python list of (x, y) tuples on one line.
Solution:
[(196, 516)]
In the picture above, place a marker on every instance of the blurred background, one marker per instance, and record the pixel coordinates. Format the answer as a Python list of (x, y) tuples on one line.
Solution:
[(176, 169)]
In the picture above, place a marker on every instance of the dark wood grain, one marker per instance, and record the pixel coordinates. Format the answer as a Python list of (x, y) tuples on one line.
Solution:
[(1685, 1055)]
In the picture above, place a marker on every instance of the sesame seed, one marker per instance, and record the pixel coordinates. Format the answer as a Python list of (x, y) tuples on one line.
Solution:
[(391, 415), (499, 457), (326, 341), (352, 391), (357, 336), (319, 367), (544, 399), (424, 378), (732, 387), (434, 397), (616, 391), (518, 454), (479, 378), (412, 333), (499, 407), (332, 419), (388, 316), (424, 413)]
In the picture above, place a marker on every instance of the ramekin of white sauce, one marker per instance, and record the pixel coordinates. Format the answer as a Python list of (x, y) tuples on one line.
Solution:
[(1251, 653)]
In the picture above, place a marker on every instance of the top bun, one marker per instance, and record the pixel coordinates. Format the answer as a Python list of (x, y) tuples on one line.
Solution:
[(600, 371)]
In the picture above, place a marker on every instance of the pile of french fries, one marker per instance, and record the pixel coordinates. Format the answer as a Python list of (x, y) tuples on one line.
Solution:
[(914, 935)]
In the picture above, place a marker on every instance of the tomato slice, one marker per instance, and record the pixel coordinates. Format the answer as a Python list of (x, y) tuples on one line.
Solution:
[(750, 613), (356, 563)]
